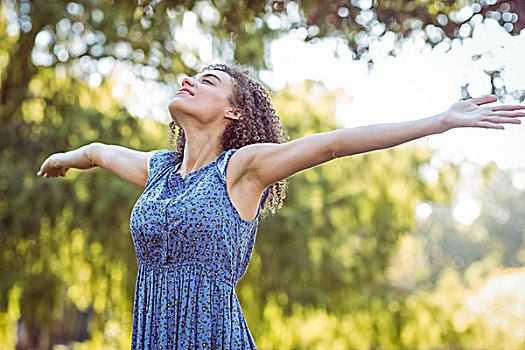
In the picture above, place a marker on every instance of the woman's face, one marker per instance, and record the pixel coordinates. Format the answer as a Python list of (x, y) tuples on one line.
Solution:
[(203, 97)]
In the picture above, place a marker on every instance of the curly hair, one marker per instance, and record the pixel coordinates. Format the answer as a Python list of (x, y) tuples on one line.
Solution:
[(258, 124)]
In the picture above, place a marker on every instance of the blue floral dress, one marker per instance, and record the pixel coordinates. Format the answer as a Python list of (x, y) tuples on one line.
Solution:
[(192, 248)]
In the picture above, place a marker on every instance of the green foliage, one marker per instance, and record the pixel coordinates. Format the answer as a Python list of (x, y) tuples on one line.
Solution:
[(326, 272), (75, 35), (66, 242)]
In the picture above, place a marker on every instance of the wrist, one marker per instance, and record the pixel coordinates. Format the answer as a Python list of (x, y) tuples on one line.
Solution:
[(444, 125)]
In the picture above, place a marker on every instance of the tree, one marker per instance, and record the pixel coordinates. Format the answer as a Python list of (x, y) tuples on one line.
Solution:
[(144, 33), (43, 111), (361, 22), (65, 243), (44, 34)]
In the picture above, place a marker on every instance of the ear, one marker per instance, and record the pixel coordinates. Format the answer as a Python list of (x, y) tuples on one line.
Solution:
[(233, 113)]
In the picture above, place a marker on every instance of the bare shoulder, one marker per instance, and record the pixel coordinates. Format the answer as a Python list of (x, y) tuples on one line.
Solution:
[(242, 162), (255, 167), (264, 164)]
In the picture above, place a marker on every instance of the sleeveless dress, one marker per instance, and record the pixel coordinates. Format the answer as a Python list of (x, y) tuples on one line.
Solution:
[(192, 248)]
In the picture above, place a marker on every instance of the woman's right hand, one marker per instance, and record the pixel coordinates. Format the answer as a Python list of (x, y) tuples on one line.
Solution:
[(52, 167), (129, 164)]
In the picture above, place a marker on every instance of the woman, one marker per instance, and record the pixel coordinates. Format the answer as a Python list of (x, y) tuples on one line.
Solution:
[(194, 225)]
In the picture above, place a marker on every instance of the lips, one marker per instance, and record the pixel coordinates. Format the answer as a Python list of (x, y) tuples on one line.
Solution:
[(185, 90)]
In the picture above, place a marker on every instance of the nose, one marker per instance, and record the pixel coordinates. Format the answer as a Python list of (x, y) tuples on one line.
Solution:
[(188, 81)]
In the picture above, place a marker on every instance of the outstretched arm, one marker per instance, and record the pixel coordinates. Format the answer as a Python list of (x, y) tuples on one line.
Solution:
[(265, 164), (129, 164)]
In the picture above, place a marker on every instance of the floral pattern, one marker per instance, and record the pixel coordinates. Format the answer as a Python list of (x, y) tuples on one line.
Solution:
[(192, 248)]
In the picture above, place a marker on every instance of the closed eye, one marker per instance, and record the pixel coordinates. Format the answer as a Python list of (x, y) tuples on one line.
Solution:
[(207, 81)]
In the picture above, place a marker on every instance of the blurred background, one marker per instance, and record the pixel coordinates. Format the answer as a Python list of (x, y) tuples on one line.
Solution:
[(420, 246)]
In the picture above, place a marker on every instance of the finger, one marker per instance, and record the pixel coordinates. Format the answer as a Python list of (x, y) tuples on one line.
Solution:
[(510, 113), (503, 120), (485, 99), (488, 125), (507, 107)]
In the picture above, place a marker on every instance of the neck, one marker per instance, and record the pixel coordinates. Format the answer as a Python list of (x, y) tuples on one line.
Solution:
[(202, 147)]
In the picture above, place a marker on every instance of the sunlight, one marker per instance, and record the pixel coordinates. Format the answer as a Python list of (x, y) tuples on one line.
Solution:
[(466, 209), (518, 180), (501, 302), (423, 211), (415, 84)]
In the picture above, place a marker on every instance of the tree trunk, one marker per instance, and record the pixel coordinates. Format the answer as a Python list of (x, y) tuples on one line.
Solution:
[(18, 74), (20, 69)]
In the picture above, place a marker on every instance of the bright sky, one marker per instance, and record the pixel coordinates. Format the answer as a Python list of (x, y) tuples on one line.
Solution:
[(416, 85)]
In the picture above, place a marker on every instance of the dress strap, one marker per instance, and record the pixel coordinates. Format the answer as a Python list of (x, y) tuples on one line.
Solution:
[(265, 195), (222, 162)]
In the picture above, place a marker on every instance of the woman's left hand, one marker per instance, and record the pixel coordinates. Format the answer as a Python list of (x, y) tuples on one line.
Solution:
[(469, 113)]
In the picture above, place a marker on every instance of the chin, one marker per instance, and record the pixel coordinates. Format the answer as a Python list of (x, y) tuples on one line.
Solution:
[(172, 105)]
